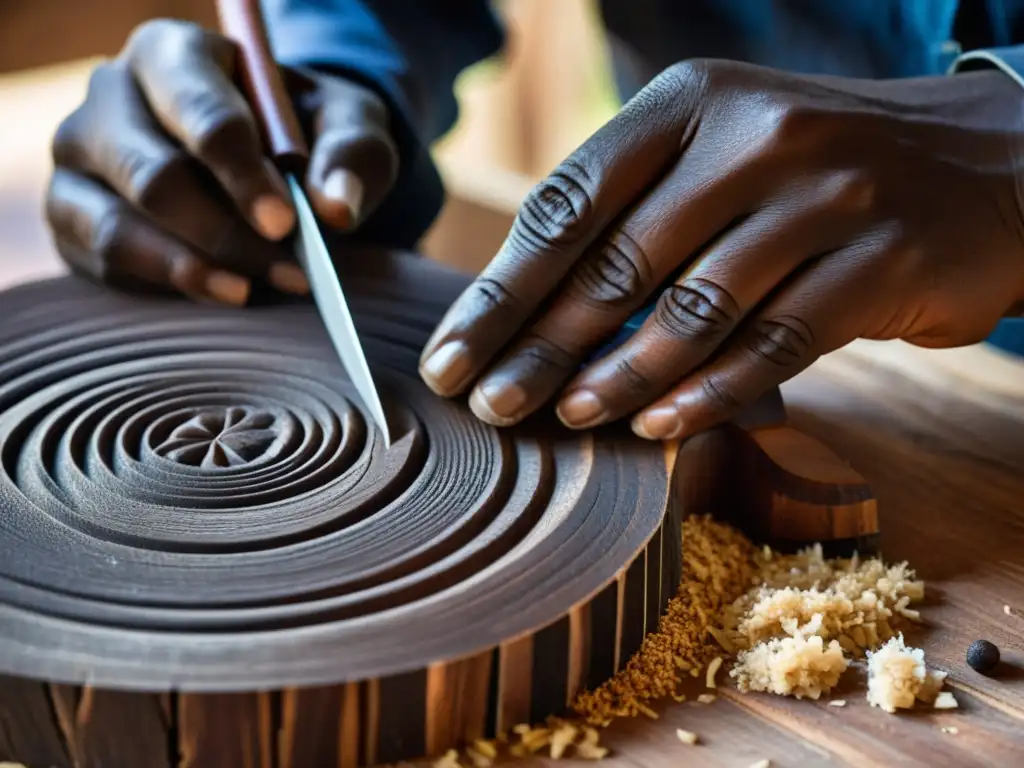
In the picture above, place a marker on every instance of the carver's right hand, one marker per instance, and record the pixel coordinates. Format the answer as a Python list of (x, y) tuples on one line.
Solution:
[(161, 177)]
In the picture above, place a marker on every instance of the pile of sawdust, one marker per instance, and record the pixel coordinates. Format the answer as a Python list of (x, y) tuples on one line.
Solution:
[(790, 623)]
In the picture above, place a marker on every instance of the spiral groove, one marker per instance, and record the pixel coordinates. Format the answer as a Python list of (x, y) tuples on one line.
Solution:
[(194, 498)]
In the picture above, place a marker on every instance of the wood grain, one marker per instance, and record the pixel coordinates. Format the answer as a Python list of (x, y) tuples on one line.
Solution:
[(203, 540), (940, 438), (945, 457)]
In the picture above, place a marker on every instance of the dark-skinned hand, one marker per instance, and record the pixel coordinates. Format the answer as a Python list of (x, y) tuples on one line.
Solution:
[(161, 178), (773, 217)]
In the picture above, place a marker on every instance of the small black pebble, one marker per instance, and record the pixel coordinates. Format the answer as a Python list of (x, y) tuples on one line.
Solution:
[(982, 656)]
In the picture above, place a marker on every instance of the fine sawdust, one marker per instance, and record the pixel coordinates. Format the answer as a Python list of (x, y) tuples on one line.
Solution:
[(790, 624)]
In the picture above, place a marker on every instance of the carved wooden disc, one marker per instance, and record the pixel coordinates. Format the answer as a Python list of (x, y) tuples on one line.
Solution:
[(203, 541)]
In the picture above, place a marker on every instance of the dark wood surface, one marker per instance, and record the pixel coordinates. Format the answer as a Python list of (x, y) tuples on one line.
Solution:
[(197, 521)]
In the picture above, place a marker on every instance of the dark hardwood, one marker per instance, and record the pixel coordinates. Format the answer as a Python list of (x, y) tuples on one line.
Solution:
[(207, 556)]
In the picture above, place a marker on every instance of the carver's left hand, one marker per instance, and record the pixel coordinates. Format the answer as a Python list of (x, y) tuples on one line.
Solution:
[(794, 214)]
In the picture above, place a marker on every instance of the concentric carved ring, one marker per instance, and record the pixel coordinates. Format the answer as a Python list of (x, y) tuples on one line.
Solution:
[(203, 539)]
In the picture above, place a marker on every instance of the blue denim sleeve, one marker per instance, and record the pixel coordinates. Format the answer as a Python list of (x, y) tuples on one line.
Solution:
[(1009, 334), (409, 51)]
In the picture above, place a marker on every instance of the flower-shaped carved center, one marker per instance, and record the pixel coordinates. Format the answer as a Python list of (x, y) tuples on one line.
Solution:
[(220, 438)]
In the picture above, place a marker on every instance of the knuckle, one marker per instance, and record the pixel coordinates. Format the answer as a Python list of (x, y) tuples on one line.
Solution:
[(369, 151), (697, 309), (556, 212), (100, 77), (216, 127), (54, 204), (617, 273), (66, 145), (151, 179), (546, 354), (855, 190), (687, 75), (153, 35), (679, 91), (107, 232), (784, 341), (637, 384), (493, 295), (719, 395), (792, 127)]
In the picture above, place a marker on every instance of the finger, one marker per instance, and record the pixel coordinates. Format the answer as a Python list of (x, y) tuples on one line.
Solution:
[(556, 222), (610, 282), (787, 335), (698, 313), (99, 234), (183, 72), (113, 138), (354, 161)]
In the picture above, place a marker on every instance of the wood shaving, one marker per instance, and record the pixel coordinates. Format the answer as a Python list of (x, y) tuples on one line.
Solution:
[(645, 710), (478, 758), (687, 737), (897, 677), (450, 759), (561, 739), (713, 668), (791, 666), (486, 748), (706, 698)]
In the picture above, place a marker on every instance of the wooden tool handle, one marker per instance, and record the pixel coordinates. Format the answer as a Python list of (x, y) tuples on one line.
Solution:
[(242, 21)]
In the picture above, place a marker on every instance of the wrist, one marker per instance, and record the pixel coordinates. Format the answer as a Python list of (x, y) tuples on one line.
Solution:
[(1003, 70)]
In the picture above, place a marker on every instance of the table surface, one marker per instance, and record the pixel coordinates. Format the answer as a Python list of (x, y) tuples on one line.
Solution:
[(938, 434)]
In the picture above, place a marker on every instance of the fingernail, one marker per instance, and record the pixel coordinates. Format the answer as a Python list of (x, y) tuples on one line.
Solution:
[(227, 288), (446, 369), (662, 423), (498, 404), (581, 409), (273, 217), (343, 187), (288, 278)]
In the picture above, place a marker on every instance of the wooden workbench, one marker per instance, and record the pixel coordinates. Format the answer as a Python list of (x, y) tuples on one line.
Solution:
[(940, 436)]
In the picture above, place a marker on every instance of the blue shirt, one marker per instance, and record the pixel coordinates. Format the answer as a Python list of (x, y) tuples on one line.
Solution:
[(411, 51)]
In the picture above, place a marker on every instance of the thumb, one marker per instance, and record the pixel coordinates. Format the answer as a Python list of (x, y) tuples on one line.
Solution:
[(354, 160)]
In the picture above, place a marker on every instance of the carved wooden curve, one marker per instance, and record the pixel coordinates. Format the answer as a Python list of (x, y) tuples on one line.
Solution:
[(207, 559)]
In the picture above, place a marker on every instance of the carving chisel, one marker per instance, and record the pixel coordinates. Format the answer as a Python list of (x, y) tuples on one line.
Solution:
[(242, 21)]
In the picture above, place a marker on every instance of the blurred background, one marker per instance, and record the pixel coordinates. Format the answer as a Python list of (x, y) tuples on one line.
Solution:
[(520, 115)]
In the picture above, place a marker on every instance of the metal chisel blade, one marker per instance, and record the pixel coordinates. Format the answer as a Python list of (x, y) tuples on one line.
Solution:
[(330, 300)]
